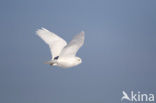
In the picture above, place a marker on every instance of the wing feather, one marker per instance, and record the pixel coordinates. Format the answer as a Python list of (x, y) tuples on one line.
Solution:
[(56, 43), (74, 45)]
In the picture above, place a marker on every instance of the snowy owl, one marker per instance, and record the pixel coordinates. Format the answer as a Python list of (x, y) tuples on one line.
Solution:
[(63, 54)]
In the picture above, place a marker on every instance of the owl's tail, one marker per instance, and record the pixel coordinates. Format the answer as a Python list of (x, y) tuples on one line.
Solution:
[(51, 62)]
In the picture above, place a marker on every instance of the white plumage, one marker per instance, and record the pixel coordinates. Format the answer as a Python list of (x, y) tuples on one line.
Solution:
[(63, 54)]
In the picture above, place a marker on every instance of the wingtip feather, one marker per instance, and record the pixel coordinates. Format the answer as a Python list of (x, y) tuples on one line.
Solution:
[(41, 30)]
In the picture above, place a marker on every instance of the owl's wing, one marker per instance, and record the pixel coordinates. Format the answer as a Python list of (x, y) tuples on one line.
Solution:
[(56, 43), (74, 45)]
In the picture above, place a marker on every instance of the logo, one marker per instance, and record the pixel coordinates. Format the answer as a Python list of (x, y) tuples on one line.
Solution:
[(137, 97)]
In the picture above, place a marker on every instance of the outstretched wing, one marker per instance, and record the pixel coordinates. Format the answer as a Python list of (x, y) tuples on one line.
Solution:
[(74, 45), (56, 43)]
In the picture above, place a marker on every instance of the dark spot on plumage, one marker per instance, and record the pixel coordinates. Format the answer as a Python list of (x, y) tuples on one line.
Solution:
[(56, 57)]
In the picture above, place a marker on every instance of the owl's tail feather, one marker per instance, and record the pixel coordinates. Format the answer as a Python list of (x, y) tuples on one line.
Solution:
[(52, 63)]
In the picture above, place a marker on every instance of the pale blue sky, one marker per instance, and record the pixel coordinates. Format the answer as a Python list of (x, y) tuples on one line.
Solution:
[(119, 51)]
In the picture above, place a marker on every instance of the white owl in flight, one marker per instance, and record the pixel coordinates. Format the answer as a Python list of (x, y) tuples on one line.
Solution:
[(63, 54)]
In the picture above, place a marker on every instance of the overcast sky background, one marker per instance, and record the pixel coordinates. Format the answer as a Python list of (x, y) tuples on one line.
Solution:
[(119, 51)]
